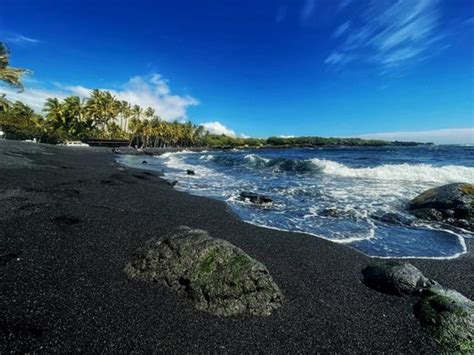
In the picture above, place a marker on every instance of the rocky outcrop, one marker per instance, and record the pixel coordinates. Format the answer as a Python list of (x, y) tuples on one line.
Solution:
[(445, 315), (215, 275), (190, 172), (452, 204), (395, 278), (448, 317), (255, 198)]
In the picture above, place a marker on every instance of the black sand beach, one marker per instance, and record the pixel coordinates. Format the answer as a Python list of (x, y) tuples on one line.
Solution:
[(70, 219)]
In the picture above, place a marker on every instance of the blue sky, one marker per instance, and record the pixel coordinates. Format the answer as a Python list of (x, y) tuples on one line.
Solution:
[(260, 68)]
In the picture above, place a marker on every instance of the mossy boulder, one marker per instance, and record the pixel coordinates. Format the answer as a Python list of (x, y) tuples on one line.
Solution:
[(395, 278), (452, 204), (215, 275), (448, 317)]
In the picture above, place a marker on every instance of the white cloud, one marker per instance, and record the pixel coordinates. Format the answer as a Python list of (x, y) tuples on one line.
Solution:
[(283, 136), (342, 29), (35, 98), (218, 128), (439, 136), (390, 34), (149, 91)]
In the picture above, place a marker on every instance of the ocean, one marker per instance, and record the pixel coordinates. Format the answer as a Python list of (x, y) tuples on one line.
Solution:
[(342, 194)]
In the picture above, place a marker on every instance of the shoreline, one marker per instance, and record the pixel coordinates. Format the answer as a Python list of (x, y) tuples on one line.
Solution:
[(73, 219)]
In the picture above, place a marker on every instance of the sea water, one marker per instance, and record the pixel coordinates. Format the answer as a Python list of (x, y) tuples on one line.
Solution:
[(339, 194)]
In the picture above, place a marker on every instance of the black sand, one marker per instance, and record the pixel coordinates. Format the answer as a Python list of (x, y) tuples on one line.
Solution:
[(70, 220)]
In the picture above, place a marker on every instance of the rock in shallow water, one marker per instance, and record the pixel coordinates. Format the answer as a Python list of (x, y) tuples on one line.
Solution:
[(452, 204), (215, 275), (255, 198), (395, 278), (448, 317)]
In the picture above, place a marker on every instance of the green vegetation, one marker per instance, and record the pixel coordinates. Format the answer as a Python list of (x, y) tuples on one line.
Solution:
[(9, 75)]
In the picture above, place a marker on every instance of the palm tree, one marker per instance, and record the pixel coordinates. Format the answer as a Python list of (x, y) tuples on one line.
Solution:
[(11, 76), (125, 113), (137, 112), (5, 104), (54, 112), (149, 112)]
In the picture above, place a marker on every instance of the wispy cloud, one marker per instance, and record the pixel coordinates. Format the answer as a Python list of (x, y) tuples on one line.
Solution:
[(17, 38), (439, 136), (307, 10), (147, 91), (218, 128), (390, 34), (342, 29)]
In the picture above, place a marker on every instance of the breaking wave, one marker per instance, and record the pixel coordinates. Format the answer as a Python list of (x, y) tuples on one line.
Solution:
[(387, 172), (399, 172)]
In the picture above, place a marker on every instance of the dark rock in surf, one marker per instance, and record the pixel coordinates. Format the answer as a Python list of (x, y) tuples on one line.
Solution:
[(393, 218), (215, 275), (448, 317), (337, 213), (255, 198), (144, 162), (190, 172), (452, 204), (172, 183), (395, 278)]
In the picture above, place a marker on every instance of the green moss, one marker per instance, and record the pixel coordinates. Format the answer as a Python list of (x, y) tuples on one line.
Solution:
[(238, 263), (467, 189), (207, 264), (466, 347)]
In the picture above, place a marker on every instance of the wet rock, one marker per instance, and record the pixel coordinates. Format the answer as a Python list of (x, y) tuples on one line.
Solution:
[(337, 213), (172, 183), (255, 198), (190, 172), (452, 204), (393, 218), (395, 278), (448, 317), (215, 275), (144, 162)]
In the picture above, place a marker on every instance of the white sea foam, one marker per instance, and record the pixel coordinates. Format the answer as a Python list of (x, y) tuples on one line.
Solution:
[(255, 158), (206, 157), (400, 172)]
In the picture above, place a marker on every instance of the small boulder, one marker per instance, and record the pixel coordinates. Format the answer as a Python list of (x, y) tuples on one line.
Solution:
[(215, 275), (190, 172), (255, 198), (172, 182), (452, 204), (144, 162), (448, 317), (395, 278)]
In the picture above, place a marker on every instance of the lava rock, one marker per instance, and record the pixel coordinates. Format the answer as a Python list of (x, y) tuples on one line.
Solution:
[(393, 218), (215, 275), (452, 204), (190, 172), (255, 198), (395, 278), (448, 317), (337, 213)]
